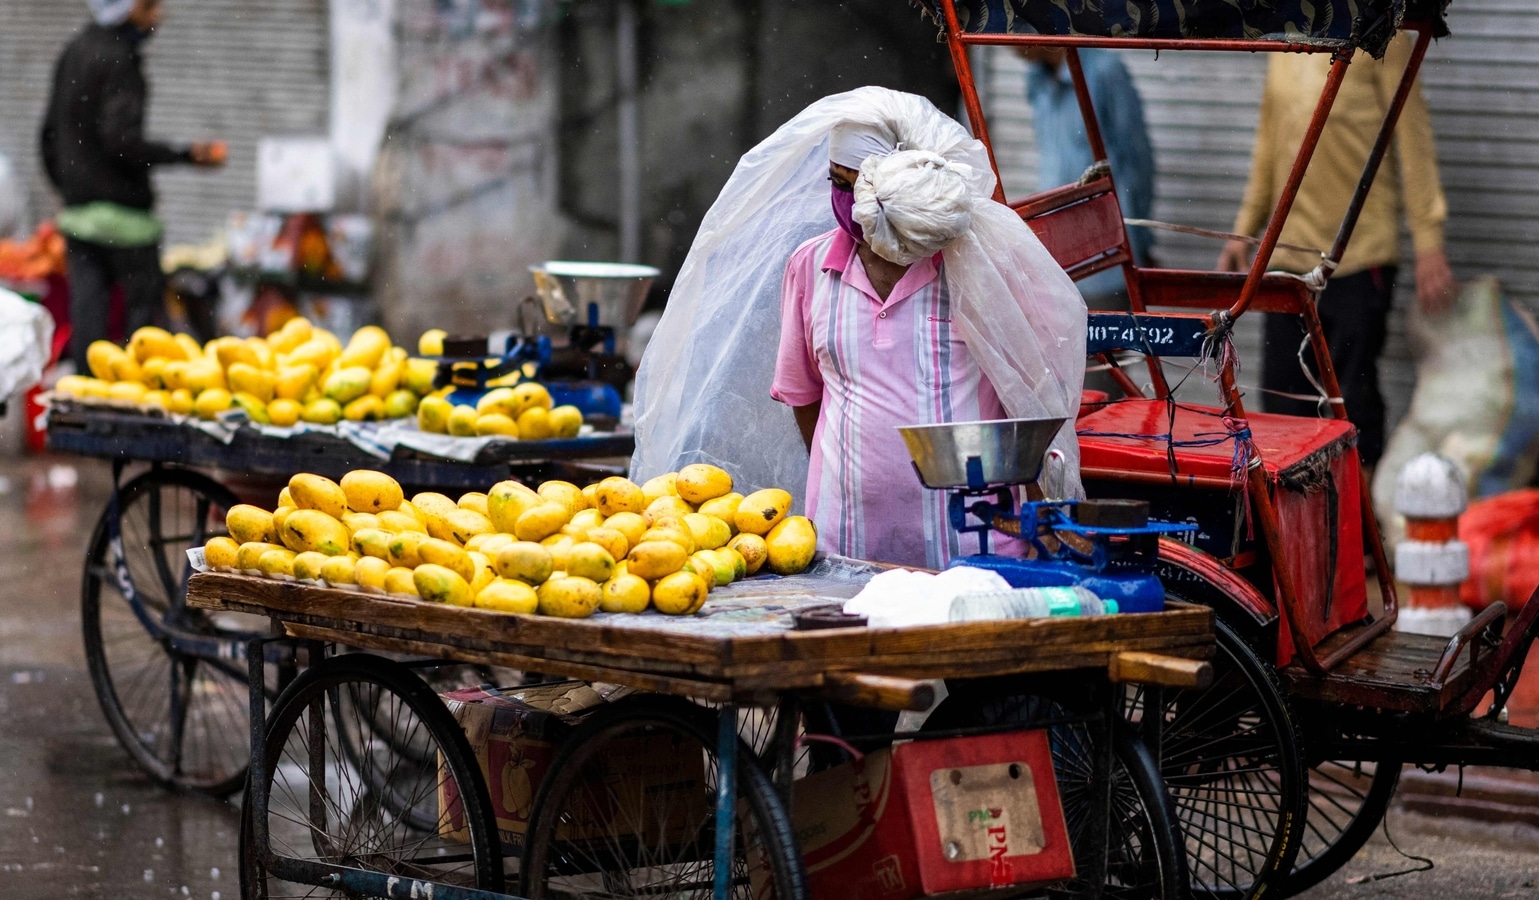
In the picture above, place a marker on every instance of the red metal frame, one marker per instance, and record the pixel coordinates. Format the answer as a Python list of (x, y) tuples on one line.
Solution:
[(1226, 295)]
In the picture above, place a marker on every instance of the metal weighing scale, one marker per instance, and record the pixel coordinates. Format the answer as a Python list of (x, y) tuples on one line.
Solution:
[(597, 303), (1106, 546)]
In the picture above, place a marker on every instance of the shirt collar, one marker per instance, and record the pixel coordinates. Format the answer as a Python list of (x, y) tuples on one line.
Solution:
[(841, 250)]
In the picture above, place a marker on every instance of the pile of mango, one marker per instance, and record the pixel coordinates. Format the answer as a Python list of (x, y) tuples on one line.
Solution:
[(558, 550), (522, 412), (297, 373)]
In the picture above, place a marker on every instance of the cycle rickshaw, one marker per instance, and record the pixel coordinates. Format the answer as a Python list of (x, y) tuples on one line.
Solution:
[(1283, 768)]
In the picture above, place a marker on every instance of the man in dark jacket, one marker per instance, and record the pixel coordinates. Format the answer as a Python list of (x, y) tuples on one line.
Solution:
[(96, 155)]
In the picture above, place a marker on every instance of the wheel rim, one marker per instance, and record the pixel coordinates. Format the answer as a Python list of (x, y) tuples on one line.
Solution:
[(322, 806), (1229, 759), (615, 843), (184, 720)]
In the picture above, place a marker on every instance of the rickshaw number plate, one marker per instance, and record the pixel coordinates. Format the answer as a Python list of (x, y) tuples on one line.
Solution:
[(1155, 335)]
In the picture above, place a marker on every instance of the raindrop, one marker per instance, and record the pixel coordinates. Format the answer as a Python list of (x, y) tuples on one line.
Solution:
[(214, 896), (160, 842), (29, 804), (100, 799), (214, 873), (185, 892), (149, 874), (127, 809)]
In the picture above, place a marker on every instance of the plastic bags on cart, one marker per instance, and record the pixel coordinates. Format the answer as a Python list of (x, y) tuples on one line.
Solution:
[(1502, 534), (26, 336), (702, 391)]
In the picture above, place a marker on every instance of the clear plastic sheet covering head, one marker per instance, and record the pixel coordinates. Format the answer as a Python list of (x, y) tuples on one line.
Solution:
[(702, 390)]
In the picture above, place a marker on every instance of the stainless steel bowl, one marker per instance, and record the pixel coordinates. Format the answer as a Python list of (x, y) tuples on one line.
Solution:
[(1009, 451), (566, 290)]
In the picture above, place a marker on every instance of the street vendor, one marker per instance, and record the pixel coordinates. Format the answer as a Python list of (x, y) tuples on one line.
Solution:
[(913, 298)]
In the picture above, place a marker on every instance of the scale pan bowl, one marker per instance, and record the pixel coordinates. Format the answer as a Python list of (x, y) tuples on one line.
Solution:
[(1009, 451), (567, 288)]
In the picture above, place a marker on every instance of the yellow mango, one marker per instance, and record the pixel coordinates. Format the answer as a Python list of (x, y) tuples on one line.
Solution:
[(395, 521), (366, 490), (564, 421), (100, 356), (524, 560), (311, 529), (284, 413), (541, 521), (752, 549), (126, 391), (589, 560), (762, 510), (708, 532), (400, 404), (630, 524), (347, 384), (418, 376), (405, 549), (724, 508), (149, 342), (277, 563), (248, 523), (432, 342), (570, 597), (534, 424), (680, 594), (465, 523), (438, 584), (411, 509), (616, 494), (370, 572), (401, 582), (449, 555), (314, 352), (221, 553), (462, 421), (433, 415), (322, 411), (293, 333), (661, 486), (699, 482), (485, 574), (247, 554), (655, 559), (339, 570), (357, 521), (318, 492), (211, 403), (790, 545), (254, 408), (610, 540), (373, 542), (587, 518), (496, 425), (367, 408), (625, 593), (263, 352), (666, 507), (191, 349), (560, 547), (307, 565), (280, 515), (565, 493), (508, 596), (506, 501), (386, 378), (473, 500), (488, 543), (530, 395), (501, 401), (365, 348)]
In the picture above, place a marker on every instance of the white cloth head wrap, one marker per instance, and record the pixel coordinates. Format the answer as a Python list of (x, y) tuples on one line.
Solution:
[(702, 392), (852, 143), (108, 13)]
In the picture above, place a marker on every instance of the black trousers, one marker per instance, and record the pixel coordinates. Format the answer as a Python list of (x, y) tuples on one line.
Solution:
[(93, 270), (1354, 311)]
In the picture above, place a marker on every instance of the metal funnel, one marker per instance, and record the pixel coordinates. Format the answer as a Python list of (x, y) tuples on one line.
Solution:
[(616, 291), (1007, 451)]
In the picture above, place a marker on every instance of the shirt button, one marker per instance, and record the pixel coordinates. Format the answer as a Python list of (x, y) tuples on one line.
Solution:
[(881, 315)]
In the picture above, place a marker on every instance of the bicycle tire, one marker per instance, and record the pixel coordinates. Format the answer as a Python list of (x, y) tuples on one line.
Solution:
[(129, 667), (1335, 830), (572, 773), (320, 684)]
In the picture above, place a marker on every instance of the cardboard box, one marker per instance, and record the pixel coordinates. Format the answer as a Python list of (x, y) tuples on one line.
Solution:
[(515, 735), (933, 817)]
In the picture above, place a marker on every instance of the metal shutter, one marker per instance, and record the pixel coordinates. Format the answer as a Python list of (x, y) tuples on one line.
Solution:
[(231, 69), (1482, 84)]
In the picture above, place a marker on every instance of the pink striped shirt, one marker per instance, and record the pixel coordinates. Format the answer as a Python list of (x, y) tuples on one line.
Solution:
[(875, 365)]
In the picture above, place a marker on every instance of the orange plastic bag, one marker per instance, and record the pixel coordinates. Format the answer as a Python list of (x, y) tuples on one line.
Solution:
[(1503, 536)]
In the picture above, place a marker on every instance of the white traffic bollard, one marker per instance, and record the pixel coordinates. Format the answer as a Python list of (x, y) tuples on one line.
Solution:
[(1432, 561)]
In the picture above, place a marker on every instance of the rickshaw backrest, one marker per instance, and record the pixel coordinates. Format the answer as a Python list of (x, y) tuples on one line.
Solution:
[(1080, 224)]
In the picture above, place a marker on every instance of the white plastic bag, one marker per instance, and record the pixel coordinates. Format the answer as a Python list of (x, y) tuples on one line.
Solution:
[(702, 391), (26, 336)]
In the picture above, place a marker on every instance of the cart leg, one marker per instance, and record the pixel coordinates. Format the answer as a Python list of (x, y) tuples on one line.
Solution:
[(726, 798), (255, 845), (787, 717)]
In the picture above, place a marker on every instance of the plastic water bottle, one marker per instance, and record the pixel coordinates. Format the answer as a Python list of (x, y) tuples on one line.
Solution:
[(1029, 603)]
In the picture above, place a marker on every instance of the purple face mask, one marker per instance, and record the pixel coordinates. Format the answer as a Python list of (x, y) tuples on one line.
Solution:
[(844, 213)]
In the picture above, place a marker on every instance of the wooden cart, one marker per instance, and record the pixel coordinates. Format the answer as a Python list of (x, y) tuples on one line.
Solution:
[(159, 670), (321, 810)]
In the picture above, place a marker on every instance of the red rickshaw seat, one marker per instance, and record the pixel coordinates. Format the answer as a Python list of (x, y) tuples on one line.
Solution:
[(1283, 441)]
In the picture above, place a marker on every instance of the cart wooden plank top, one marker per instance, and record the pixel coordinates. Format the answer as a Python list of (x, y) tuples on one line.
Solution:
[(742, 646)]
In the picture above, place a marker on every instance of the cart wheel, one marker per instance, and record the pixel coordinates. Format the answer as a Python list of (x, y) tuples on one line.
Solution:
[(182, 717), (1347, 800), (633, 845), (321, 805), (1230, 755), (1144, 853)]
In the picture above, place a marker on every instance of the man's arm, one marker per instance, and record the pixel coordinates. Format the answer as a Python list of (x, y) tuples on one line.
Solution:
[(121, 127), (1132, 155), (1421, 190), (807, 421)]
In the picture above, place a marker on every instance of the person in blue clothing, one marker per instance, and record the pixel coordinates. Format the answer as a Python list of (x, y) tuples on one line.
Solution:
[(1064, 150)]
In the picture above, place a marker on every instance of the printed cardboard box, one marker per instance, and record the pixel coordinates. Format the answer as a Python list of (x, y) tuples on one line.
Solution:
[(515, 735)]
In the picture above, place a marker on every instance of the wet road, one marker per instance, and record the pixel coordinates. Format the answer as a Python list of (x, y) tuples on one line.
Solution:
[(81, 821)]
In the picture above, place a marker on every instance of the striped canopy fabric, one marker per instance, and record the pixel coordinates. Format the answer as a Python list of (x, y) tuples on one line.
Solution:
[(1329, 23)]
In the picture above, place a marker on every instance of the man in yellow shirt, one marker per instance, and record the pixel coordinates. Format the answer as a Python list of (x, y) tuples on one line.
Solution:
[(1356, 303)]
